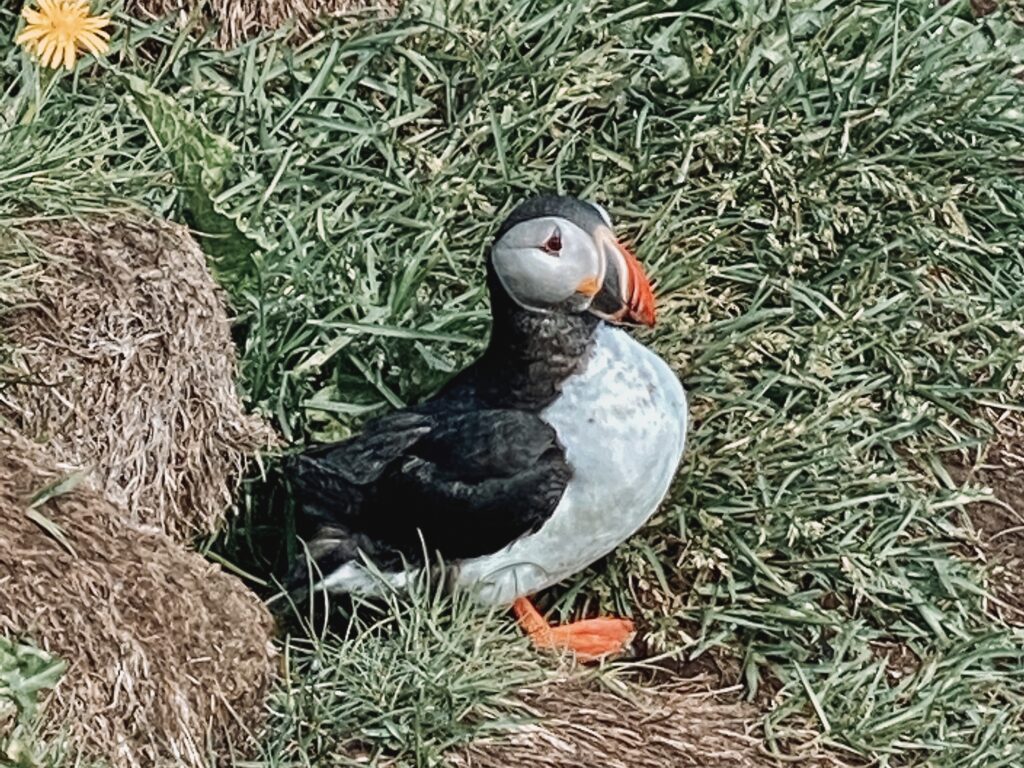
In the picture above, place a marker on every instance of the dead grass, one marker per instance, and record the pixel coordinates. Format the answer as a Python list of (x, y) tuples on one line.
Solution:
[(125, 364), (239, 20), (169, 659), (678, 725)]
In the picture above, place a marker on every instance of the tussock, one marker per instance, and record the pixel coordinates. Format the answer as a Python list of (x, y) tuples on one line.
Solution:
[(674, 725), (168, 657), (127, 367), (238, 20)]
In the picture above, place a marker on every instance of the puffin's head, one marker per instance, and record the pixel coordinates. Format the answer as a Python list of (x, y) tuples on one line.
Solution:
[(559, 254)]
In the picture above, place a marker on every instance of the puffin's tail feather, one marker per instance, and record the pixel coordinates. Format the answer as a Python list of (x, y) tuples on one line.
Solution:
[(321, 504), (327, 550), (318, 491)]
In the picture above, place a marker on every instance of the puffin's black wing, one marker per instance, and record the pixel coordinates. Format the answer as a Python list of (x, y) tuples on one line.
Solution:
[(468, 482)]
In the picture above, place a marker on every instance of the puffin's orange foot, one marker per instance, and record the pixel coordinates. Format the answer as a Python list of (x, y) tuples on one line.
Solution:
[(589, 640)]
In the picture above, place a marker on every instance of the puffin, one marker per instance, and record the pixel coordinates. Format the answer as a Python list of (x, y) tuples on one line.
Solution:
[(556, 445)]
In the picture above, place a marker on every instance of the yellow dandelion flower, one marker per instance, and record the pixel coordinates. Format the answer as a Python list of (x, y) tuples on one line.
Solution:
[(59, 29)]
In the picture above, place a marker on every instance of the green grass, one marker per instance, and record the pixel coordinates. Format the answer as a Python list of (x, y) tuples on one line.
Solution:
[(25, 674), (829, 197), (409, 677)]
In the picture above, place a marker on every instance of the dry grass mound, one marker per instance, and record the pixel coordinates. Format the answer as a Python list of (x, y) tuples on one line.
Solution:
[(127, 367), (239, 20), (675, 725), (169, 658)]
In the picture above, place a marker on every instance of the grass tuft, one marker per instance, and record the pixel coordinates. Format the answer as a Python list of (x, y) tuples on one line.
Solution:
[(406, 678), (25, 673)]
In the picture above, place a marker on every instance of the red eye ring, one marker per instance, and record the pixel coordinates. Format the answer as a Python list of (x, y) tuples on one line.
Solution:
[(554, 243)]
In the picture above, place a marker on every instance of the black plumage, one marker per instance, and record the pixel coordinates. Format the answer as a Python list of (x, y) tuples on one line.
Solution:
[(468, 482), (469, 470)]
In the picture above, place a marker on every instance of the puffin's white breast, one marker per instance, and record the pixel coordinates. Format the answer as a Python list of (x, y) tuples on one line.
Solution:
[(622, 422)]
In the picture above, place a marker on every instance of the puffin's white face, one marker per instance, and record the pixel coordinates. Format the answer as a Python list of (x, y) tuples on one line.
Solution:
[(550, 263), (547, 263)]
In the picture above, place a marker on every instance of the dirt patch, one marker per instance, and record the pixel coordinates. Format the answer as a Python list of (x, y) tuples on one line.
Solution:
[(999, 525), (679, 724), (900, 660), (124, 364), (239, 20), (168, 658)]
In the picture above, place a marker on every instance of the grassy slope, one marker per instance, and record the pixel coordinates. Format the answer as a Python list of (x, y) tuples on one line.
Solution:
[(827, 197)]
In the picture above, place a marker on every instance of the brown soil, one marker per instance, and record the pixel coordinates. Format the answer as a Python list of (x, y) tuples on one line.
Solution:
[(999, 525)]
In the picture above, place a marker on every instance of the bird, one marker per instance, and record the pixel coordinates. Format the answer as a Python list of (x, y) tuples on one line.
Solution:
[(553, 447)]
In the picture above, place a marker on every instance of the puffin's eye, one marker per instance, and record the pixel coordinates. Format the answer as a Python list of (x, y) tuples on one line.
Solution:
[(554, 243)]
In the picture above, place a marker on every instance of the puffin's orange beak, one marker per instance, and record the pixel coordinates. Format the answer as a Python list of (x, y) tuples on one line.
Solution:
[(625, 295), (640, 297)]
